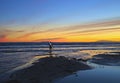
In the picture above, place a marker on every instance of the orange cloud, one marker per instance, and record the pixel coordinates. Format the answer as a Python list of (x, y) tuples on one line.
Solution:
[(85, 32), (3, 37), (29, 34), (5, 33), (103, 30)]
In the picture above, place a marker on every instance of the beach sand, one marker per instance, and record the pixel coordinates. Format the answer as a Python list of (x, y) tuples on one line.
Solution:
[(47, 69)]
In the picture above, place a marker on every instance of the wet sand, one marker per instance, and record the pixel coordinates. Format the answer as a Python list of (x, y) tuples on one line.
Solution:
[(110, 59), (47, 69)]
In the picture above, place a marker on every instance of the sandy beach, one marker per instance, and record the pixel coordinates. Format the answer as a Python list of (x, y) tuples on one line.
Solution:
[(47, 69)]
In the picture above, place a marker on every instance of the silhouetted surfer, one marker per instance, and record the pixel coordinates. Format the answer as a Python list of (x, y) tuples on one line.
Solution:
[(50, 48)]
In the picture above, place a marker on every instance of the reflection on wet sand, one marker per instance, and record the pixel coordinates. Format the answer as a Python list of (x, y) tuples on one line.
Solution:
[(92, 53), (110, 59)]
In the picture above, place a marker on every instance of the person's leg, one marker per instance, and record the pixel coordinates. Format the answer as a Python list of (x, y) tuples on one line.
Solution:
[(50, 51)]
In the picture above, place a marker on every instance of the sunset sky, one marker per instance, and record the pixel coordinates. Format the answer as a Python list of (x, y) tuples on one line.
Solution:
[(59, 20)]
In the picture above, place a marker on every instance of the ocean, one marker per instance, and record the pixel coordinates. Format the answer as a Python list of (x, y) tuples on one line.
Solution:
[(13, 55)]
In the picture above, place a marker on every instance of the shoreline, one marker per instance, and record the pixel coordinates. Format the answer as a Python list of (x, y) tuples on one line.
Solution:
[(47, 69)]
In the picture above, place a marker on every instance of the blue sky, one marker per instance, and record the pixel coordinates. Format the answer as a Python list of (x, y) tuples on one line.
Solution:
[(56, 20), (57, 11)]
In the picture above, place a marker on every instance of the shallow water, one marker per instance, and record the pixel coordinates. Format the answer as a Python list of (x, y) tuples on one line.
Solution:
[(99, 74), (14, 55)]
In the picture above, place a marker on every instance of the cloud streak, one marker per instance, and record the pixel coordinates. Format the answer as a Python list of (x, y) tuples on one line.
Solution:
[(50, 39), (92, 25), (60, 33), (30, 34), (92, 31), (99, 25), (5, 33)]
